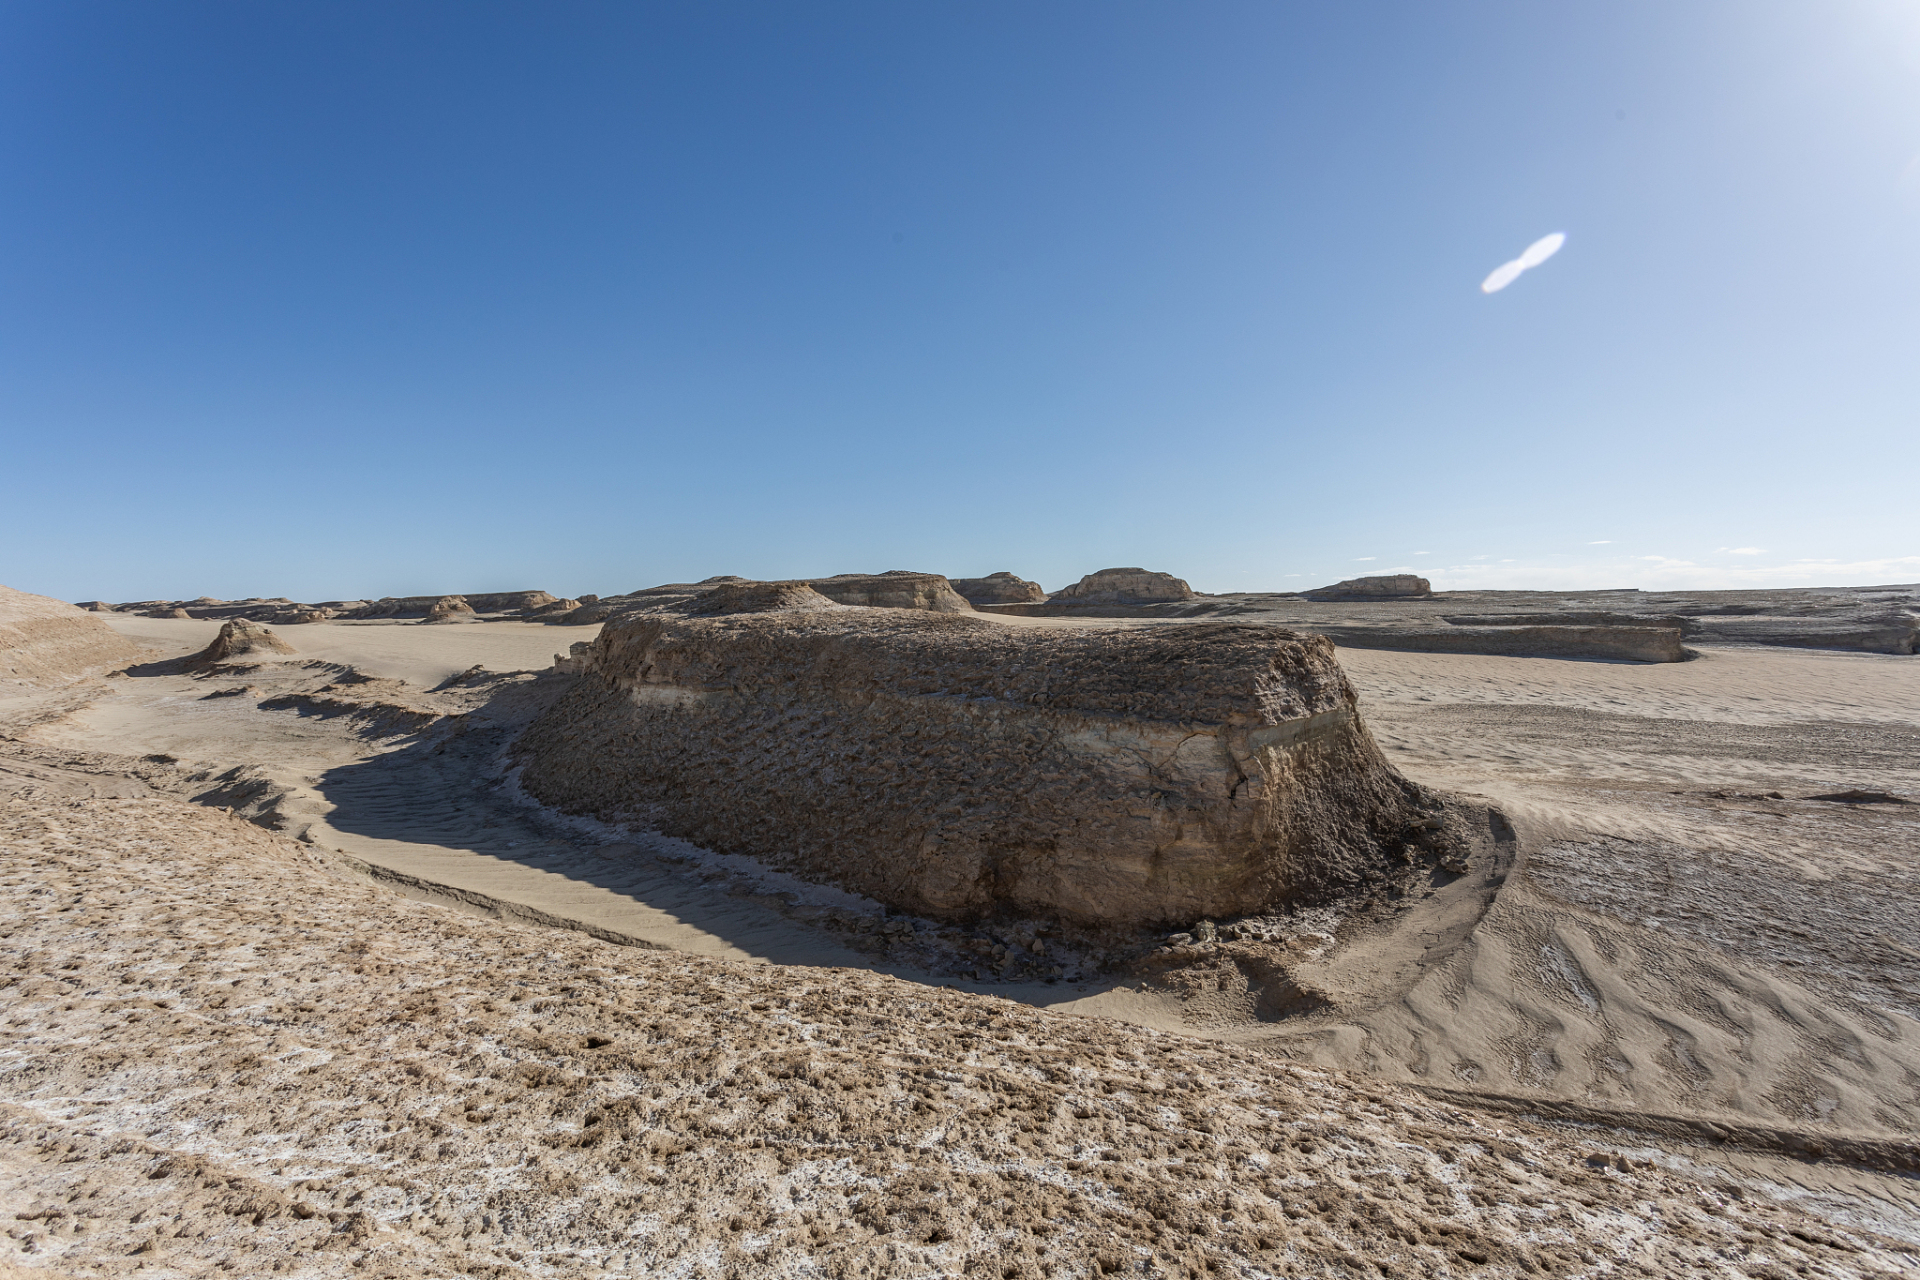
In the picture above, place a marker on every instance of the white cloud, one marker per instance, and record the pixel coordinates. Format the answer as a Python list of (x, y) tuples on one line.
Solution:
[(1423, 553), (1358, 558), (1604, 542), (1536, 253), (1745, 551)]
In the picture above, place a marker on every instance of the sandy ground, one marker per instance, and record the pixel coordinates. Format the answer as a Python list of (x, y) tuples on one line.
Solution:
[(1659, 921), (220, 1056)]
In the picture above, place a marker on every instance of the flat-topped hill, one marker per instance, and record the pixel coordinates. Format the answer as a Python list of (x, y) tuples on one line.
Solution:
[(962, 768)]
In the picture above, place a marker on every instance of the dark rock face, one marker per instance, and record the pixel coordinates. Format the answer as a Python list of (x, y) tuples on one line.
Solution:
[(1391, 586), (999, 588), (1124, 586), (951, 766)]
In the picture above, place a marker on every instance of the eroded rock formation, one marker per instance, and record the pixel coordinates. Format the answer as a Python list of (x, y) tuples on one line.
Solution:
[(895, 589), (999, 588), (42, 638), (1386, 586), (1124, 586), (240, 638), (757, 597), (450, 609), (963, 768)]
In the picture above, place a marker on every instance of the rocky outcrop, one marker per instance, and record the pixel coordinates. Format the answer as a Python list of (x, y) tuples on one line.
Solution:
[(1574, 618), (1124, 586), (450, 609), (240, 638), (999, 588), (1389, 586), (963, 768), (42, 638), (508, 601), (757, 597), (1629, 644), (895, 589), (1886, 633)]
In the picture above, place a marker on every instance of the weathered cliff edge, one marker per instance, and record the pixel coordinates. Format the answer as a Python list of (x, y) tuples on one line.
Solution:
[(960, 768), (1630, 644), (42, 638)]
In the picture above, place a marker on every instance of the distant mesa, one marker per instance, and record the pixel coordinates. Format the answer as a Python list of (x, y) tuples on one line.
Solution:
[(1386, 586), (1125, 586), (240, 638), (740, 596), (894, 589), (999, 588)]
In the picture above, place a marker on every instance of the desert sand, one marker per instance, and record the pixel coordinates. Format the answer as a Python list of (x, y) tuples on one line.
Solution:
[(304, 983)]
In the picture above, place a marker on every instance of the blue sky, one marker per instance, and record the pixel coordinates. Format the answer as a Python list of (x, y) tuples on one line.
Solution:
[(336, 300)]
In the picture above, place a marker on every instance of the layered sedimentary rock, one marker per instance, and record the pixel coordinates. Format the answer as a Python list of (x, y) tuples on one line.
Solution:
[(1387, 586), (1124, 586), (1893, 632), (895, 589), (999, 588), (43, 638), (240, 638), (757, 597), (1573, 618), (1629, 644), (963, 768)]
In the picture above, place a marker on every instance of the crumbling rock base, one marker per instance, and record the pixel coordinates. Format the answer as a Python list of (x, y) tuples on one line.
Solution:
[(964, 769)]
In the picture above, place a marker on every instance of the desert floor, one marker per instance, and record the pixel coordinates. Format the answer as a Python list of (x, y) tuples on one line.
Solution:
[(405, 1020)]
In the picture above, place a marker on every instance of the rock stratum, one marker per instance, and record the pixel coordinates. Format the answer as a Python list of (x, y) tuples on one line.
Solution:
[(42, 638), (1385, 586), (962, 769)]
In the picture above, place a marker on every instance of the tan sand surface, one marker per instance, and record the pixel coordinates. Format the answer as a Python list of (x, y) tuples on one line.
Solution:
[(420, 655), (223, 1058)]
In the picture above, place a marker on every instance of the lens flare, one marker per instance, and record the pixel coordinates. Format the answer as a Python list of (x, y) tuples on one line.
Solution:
[(1536, 253)]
